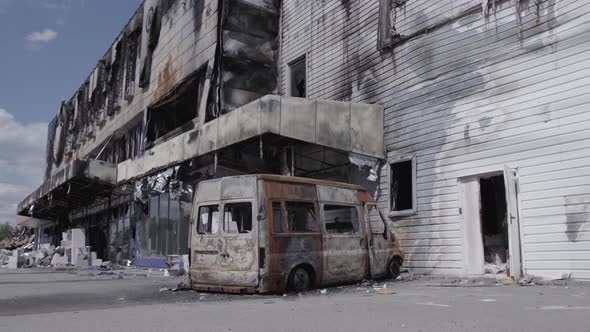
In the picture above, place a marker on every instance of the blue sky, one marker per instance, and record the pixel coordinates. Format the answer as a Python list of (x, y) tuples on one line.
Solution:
[(47, 49)]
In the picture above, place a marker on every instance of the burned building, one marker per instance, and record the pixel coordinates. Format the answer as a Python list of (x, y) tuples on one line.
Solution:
[(190, 90), (486, 124), (467, 118)]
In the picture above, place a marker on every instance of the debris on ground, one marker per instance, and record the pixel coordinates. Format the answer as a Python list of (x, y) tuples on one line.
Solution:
[(384, 291), (526, 281), (185, 284), (505, 280), (492, 268), (21, 238), (324, 291), (405, 275)]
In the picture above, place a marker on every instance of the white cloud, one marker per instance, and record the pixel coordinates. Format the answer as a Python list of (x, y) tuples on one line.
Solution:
[(22, 161), (45, 36), (10, 195)]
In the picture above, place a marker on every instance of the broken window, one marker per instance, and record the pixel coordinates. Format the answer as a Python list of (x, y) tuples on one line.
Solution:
[(297, 78), (133, 41), (277, 217), (388, 14), (301, 217), (176, 113), (208, 219), (341, 219), (402, 193), (115, 81), (164, 230), (119, 234), (237, 218), (151, 30)]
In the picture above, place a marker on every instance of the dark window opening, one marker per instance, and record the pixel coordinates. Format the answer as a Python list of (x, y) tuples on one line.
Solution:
[(298, 78), (402, 194), (389, 10), (208, 219), (494, 223), (133, 41), (237, 218), (277, 217), (341, 219), (175, 114), (301, 217), (115, 84), (126, 147)]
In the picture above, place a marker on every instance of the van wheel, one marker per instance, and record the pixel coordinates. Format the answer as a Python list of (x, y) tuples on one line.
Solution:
[(395, 269), (300, 280)]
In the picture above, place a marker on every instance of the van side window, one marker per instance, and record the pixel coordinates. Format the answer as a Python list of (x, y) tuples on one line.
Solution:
[(341, 219), (208, 219), (277, 217), (301, 217), (237, 218)]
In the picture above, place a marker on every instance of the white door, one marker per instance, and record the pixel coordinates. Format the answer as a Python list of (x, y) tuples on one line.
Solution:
[(474, 253), (513, 222)]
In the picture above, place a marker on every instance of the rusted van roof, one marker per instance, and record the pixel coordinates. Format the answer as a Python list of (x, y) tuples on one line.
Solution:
[(294, 179)]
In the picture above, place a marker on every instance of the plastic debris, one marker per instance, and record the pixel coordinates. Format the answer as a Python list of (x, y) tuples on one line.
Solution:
[(324, 291), (384, 291), (526, 281)]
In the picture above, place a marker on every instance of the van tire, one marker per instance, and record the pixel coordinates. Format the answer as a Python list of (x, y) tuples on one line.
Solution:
[(394, 269), (300, 280)]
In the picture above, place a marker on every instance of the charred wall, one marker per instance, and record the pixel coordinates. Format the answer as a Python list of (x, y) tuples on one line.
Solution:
[(249, 51), (161, 47), (468, 86)]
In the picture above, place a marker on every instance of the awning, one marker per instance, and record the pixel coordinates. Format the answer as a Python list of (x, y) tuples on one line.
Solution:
[(77, 184), (348, 127)]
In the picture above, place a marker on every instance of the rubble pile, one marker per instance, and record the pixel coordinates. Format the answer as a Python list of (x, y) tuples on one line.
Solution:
[(17, 252), (21, 238)]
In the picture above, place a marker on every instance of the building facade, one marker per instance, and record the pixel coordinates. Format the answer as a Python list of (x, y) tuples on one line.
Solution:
[(188, 92), (486, 122), (470, 114)]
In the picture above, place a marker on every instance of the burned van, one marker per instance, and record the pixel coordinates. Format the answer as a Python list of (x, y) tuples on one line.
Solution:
[(268, 233)]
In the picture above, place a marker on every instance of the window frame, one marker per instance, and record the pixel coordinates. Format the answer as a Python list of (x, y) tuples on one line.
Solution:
[(408, 212), (302, 58), (284, 222), (253, 216), (385, 39), (358, 215), (198, 219)]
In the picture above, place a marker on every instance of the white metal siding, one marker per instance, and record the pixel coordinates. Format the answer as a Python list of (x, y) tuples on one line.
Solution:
[(466, 99)]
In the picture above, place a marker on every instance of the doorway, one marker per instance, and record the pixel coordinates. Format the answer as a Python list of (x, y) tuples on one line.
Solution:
[(490, 224), (494, 227)]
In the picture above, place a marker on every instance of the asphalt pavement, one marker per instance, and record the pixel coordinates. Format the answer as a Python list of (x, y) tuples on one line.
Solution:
[(47, 300)]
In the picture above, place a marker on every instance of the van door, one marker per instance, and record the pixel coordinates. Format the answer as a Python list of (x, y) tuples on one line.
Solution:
[(238, 245), (344, 246), (378, 237), (205, 244)]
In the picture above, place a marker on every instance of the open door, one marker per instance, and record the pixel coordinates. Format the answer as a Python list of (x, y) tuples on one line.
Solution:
[(379, 252), (510, 183)]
